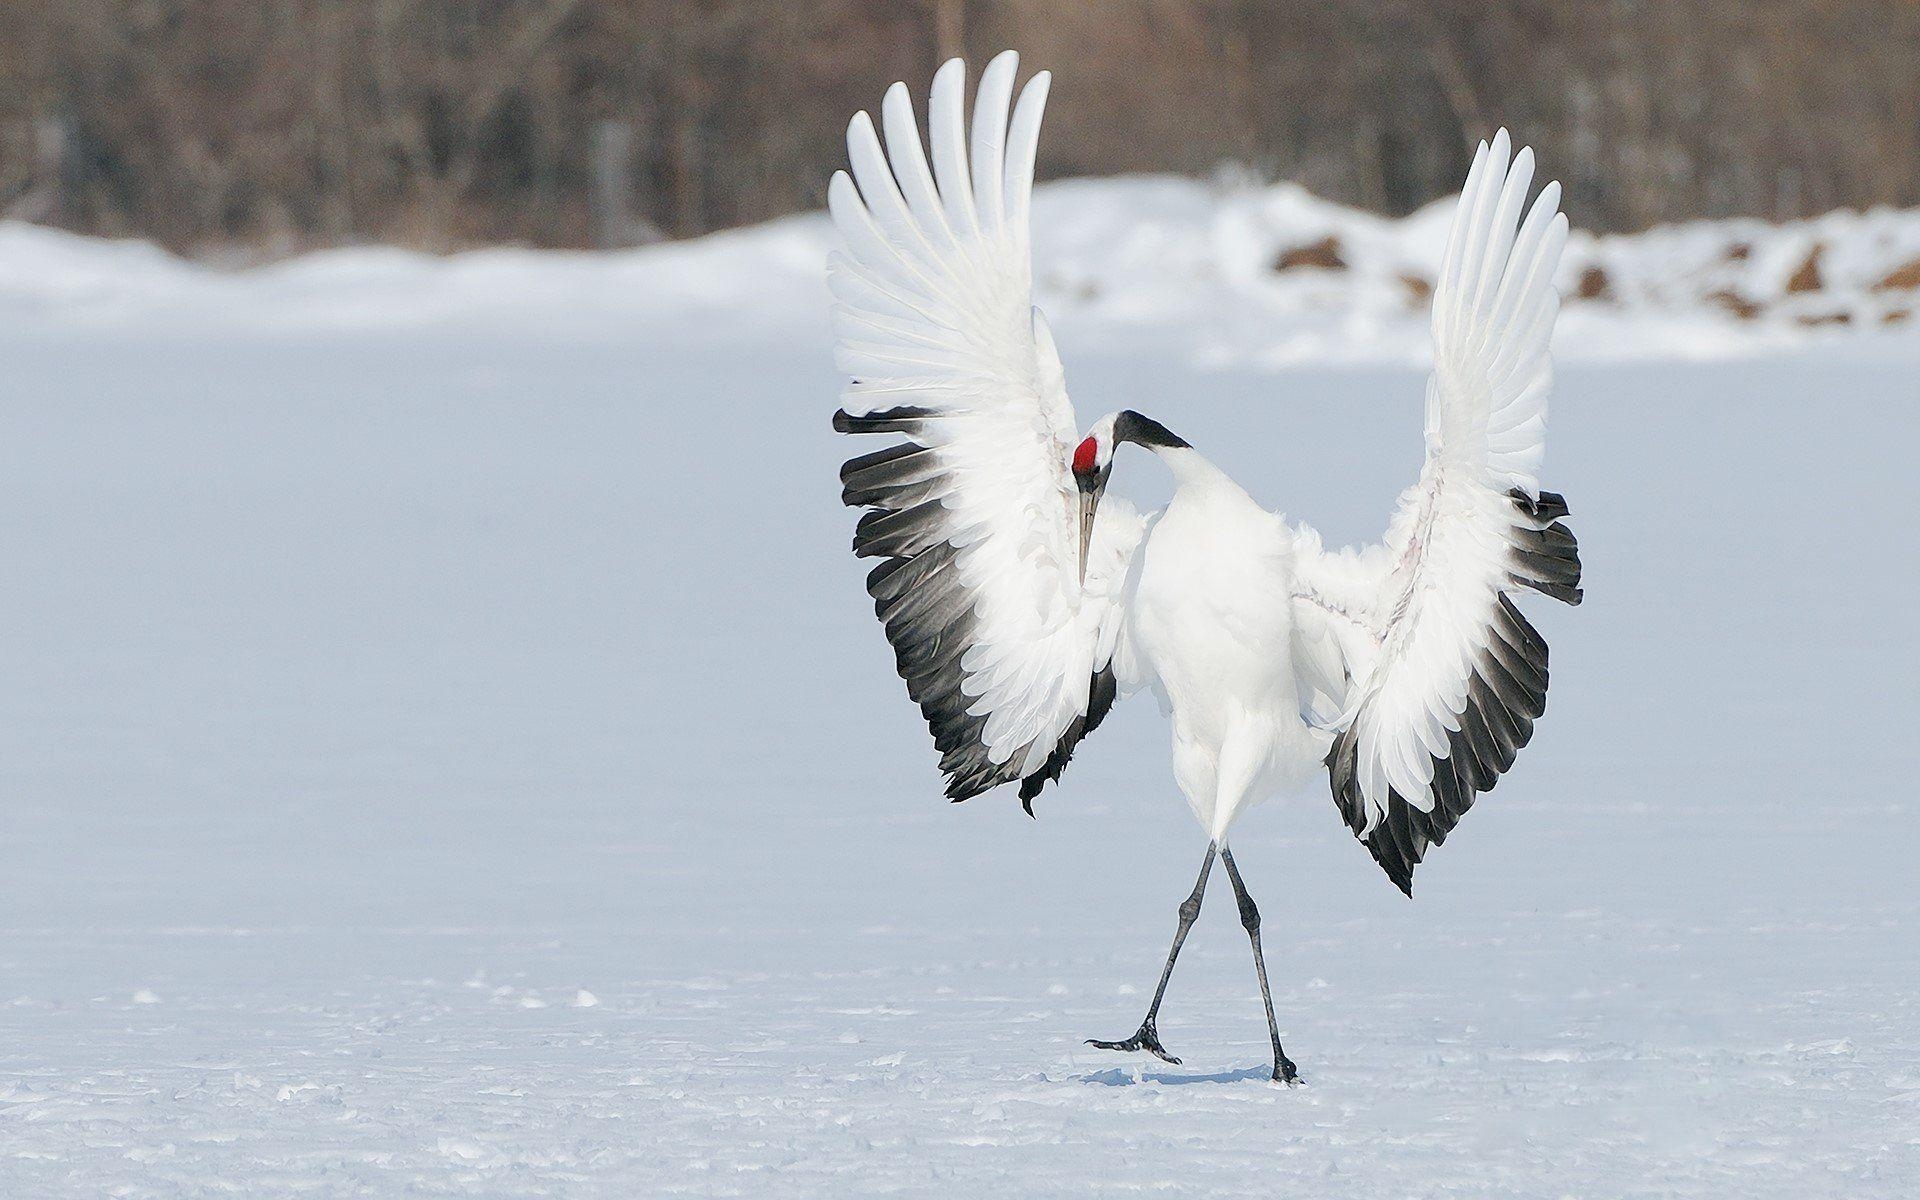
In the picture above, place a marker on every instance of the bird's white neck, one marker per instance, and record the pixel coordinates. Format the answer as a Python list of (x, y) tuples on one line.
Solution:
[(1191, 469)]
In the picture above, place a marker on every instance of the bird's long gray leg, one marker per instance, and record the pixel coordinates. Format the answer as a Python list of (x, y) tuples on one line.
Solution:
[(1283, 1068), (1148, 1037)]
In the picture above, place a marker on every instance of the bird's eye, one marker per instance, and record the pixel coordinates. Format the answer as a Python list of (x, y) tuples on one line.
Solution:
[(1085, 456)]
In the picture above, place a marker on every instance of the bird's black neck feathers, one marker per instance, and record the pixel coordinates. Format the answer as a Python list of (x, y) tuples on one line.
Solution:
[(1130, 426)]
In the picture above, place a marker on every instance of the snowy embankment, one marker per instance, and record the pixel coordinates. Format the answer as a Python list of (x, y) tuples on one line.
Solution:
[(1222, 274)]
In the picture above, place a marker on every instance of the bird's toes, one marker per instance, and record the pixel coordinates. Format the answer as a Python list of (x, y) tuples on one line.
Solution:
[(1154, 1048), (1146, 1039)]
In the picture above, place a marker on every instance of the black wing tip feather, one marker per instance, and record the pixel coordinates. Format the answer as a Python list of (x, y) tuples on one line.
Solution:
[(1392, 842), (904, 419), (1101, 693), (1495, 725), (1506, 694), (1398, 867), (928, 614), (1548, 558)]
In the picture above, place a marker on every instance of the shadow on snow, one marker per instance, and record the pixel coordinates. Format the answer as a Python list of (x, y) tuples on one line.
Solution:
[(1121, 1077)]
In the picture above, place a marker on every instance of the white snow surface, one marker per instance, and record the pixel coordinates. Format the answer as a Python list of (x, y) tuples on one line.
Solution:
[(448, 750)]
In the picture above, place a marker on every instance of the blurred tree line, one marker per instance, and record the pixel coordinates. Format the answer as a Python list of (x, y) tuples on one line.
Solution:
[(279, 124)]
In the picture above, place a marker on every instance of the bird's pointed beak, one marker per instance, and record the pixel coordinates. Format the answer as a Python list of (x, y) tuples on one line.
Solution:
[(1089, 504)]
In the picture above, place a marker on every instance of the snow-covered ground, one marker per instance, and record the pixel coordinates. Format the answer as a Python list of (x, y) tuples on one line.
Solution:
[(446, 750)]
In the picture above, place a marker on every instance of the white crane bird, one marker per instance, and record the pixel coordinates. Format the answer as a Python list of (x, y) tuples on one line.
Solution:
[(1020, 604)]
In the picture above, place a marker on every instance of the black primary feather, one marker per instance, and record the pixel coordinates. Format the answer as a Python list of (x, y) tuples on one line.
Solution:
[(1506, 694), (928, 611)]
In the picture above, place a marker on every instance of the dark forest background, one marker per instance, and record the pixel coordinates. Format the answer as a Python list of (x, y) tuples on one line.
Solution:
[(273, 125)]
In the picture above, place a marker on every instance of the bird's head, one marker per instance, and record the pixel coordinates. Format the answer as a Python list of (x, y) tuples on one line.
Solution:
[(1093, 462), (1092, 465)]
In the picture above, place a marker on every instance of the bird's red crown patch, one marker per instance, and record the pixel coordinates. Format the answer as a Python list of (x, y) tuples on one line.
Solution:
[(1084, 456)]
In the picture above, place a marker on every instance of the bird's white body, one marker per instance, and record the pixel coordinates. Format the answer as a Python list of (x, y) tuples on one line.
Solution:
[(1214, 648)]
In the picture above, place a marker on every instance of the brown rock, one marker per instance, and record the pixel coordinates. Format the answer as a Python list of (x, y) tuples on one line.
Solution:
[(1896, 316), (1832, 318), (1904, 278), (1735, 303), (1806, 277), (1739, 252), (1323, 254), (1419, 290), (1594, 285)]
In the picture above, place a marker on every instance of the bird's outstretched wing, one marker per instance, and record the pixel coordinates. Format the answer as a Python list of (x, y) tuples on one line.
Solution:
[(1445, 677), (975, 513)]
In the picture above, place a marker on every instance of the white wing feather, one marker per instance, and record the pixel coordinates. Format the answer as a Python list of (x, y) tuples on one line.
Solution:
[(1417, 620), (934, 314)]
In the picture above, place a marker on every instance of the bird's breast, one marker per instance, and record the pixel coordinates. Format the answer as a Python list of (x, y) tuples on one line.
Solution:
[(1210, 609)]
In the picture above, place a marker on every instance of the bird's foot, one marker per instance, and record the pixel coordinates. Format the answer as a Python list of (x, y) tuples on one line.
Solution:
[(1285, 1072), (1148, 1039)]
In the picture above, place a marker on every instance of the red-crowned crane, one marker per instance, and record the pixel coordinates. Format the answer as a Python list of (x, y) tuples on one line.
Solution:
[(1021, 600)]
